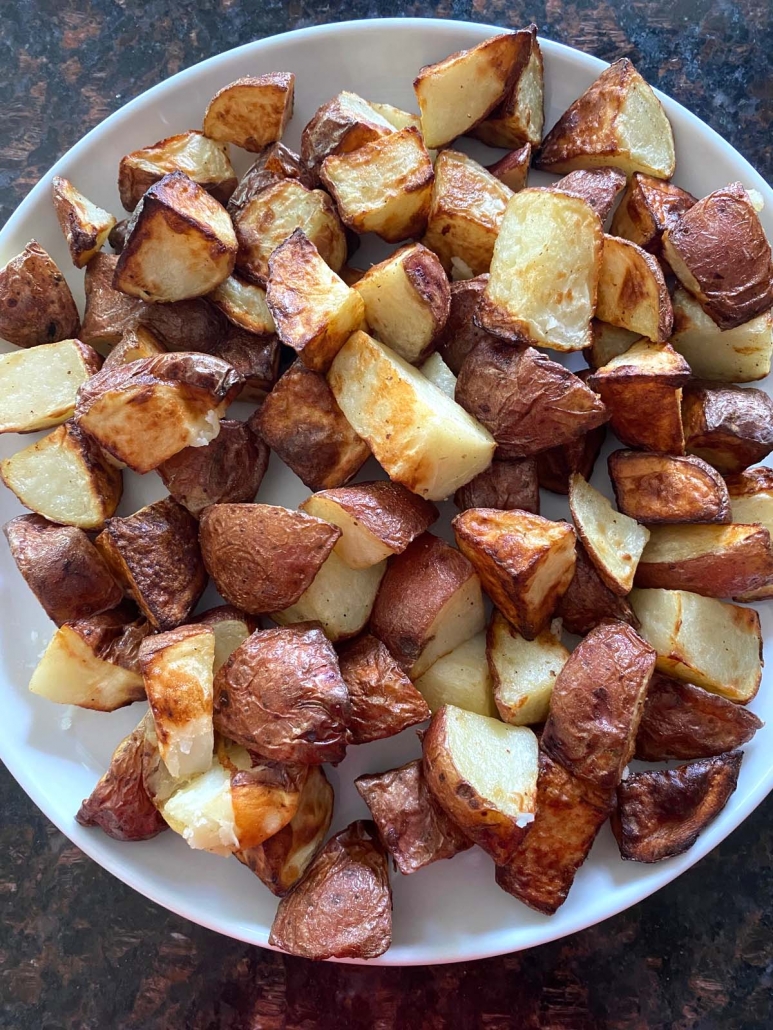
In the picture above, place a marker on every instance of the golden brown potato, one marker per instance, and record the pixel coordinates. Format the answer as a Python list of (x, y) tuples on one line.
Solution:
[(460, 678), (324, 917), (681, 721), (244, 304), (523, 671), (661, 813), (527, 401), (556, 465), (667, 488), (414, 828), (251, 112), (181, 243), (343, 124), (136, 343), (599, 187), (504, 485), (65, 478), (607, 342), (544, 273), (36, 305), (751, 500), (201, 159), (588, 601), (729, 427), (396, 117), (430, 601), (597, 703), (648, 207), (39, 385), (281, 694), (520, 115), (154, 554), (85, 226), (461, 335), (525, 562), (62, 568), (274, 163), (262, 557), (513, 168), (617, 122), (483, 774), (633, 292), (231, 627), (569, 814), (255, 359), (719, 252)]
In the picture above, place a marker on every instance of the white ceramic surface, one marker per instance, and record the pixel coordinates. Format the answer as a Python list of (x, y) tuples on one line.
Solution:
[(452, 910)]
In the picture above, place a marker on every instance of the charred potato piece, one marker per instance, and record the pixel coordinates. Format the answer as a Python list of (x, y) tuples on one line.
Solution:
[(36, 305), (598, 187), (633, 292), (504, 485), (85, 226), (439, 374), (461, 335), (523, 671), (274, 163), (192, 153), (667, 488), (255, 359), (608, 341), (525, 562), (251, 112), (588, 601), (231, 628), (513, 168), (661, 813), (729, 427), (39, 386), (244, 304), (648, 207), (751, 500), (343, 124), (460, 678), (557, 465), (117, 235), (520, 115)]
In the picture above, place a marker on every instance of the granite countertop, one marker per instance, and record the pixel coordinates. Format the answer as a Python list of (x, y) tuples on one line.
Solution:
[(78, 949)]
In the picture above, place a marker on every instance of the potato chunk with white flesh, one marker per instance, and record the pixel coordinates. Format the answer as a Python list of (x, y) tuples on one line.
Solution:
[(39, 385), (728, 426), (37, 306), (439, 374), (460, 678), (343, 124), (406, 300), (244, 304), (648, 207), (65, 478), (181, 243), (231, 628), (632, 291), (421, 437), (751, 500), (618, 121), (466, 212), (523, 671), (667, 488), (607, 342), (456, 94), (203, 161), (430, 601), (251, 112), (396, 117), (700, 640), (85, 226), (613, 541), (383, 187), (314, 310), (525, 562), (520, 115), (483, 773), (513, 168), (599, 187), (544, 273)]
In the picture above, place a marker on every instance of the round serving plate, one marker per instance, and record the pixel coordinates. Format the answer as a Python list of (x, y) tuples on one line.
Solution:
[(452, 911)]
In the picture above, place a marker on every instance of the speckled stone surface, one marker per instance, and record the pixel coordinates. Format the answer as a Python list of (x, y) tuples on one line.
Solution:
[(78, 949)]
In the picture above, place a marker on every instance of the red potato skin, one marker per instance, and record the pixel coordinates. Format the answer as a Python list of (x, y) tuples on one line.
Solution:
[(728, 426), (460, 334), (588, 601), (505, 485), (394, 514), (556, 465), (598, 187)]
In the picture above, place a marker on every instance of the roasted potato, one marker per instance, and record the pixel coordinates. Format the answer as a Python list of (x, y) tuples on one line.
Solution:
[(244, 304), (608, 341), (648, 207), (396, 117), (231, 628), (36, 305), (751, 500), (557, 465), (429, 602), (86, 227), (65, 478), (525, 562), (667, 488), (523, 671), (439, 374), (661, 813), (504, 485), (343, 906), (343, 124), (633, 292), (597, 703), (192, 153), (281, 695), (255, 359), (413, 827), (136, 343), (109, 313), (598, 187), (117, 235), (62, 568), (272, 165), (513, 168), (461, 678), (461, 335), (729, 427), (251, 112), (38, 386), (703, 641), (483, 774), (618, 122), (588, 601), (520, 114)]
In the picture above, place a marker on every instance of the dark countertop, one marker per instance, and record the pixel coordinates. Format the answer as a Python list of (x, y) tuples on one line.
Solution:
[(78, 949)]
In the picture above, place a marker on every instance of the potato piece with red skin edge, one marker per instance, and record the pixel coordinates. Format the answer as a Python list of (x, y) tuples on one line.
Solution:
[(525, 562), (460, 334), (520, 115), (136, 343), (588, 601), (231, 627), (719, 252), (341, 125), (62, 568), (154, 554), (251, 112), (682, 721), (504, 485), (751, 500), (556, 465), (597, 703), (513, 168), (273, 163), (648, 207), (461, 678), (255, 359), (85, 226), (523, 671), (229, 469), (281, 694), (728, 426), (668, 488), (383, 700), (342, 908), (119, 804), (36, 305), (527, 401), (244, 304), (632, 291), (189, 153), (413, 827), (599, 187), (569, 814), (661, 812), (421, 625)]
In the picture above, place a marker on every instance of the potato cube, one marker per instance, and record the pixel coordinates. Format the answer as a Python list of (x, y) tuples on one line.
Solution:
[(648, 207), (520, 115), (598, 187), (36, 305), (614, 541), (632, 291), (513, 168), (244, 304), (38, 386), (523, 671), (85, 226), (664, 488), (504, 485), (195, 155), (729, 427), (589, 601), (251, 112), (272, 165), (343, 124), (751, 500), (460, 678)]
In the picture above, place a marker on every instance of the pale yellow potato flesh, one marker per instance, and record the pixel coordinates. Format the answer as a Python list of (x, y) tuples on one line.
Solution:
[(740, 355), (524, 671), (613, 541), (632, 291), (439, 374), (460, 678), (69, 673), (39, 385), (357, 545), (244, 304), (460, 619), (202, 812)]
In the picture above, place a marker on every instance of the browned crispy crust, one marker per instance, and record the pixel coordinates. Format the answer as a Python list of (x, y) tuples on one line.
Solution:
[(336, 128), (505, 485), (134, 182), (648, 207), (599, 187), (388, 510), (668, 488), (729, 427), (461, 334), (513, 168), (226, 119), (589, 601), (274, 163), (557, 465), (36, 305)]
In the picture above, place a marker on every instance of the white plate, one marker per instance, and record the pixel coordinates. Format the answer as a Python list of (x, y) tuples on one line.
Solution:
[(453, 910)]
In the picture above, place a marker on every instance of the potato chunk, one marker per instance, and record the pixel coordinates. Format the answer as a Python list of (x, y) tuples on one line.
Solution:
[(244, 304), (589, 601), (523, 671), (608, 341), (396, 117), (632, 291), (751, 500), (439, 374), (36, 305), (231, 628), (343, 124), (461, 335), (504, 485), (729, 427), (513, 168), (460, 678), (520, 114), (136, 343), (38, 386), (85, 226), (251, 112), (557, 465), (614, 541), (192, 153), (273, 164), (648, 207), (598, 187), (665, 488), (544, 273)]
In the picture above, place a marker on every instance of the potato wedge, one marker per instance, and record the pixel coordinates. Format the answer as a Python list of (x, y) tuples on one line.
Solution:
[(192, 153), (460, 678), (65, 478), (751, 500), (617, 122), (414, 828), (323, 918), (231, 628), (36, 305), (523, 672), (244, 304), (439, 374), (525, 562), (557, 465), (661, 813), (598, 187), (597, 704), (520, 115), (272, 165), (633, 292), (608, 341), (666, 488), (700, 640), (513, 168), (251, 112), (729, 427), (588, 601), (343, 124), (461, 335), (614, 541), (39, 385), (430, 601), (135, 344), (648, 207), (505, 485), (85, 226), (483, 774)]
